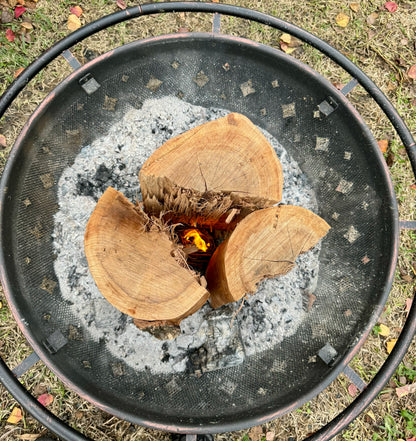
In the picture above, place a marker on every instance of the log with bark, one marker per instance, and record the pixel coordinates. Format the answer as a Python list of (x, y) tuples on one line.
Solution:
[(214, 174), (263, 245), (135, 267)]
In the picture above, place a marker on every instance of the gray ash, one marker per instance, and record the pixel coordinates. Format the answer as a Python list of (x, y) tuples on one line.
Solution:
[(209, 339)]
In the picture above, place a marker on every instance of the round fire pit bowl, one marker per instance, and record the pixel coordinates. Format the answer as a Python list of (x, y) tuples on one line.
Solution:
[(319, 128)]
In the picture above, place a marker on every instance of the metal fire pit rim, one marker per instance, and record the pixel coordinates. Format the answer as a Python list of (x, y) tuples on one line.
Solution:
[(336, 370), (405, 338)]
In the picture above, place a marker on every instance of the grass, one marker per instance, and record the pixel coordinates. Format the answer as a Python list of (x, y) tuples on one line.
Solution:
[(385, 51)]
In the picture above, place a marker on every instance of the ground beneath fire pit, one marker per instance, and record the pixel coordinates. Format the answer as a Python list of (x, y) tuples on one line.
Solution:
[(210, 339)]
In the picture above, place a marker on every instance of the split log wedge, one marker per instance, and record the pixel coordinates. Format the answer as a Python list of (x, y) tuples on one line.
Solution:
[(214, 174), (134, 268), (263, 245)]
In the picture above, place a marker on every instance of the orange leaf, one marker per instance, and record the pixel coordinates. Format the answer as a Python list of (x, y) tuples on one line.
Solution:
[(18, 72), (355, 7), (412, 72), (342, 20), (45, 399), (383, 144), (76, 10), (74, 22), (3, 142), (390, 344), (15, 416), (413, 186)]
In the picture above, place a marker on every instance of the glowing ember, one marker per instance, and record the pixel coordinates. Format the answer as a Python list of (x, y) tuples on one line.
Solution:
[(194, 236)]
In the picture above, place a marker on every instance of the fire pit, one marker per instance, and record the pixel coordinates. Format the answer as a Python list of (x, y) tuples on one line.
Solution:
[(320, 130)]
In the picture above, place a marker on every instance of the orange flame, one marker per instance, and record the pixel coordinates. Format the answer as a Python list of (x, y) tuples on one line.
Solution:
[(195, 237)]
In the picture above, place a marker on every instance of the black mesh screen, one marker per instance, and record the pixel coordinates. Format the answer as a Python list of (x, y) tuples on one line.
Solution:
[(336, 152)]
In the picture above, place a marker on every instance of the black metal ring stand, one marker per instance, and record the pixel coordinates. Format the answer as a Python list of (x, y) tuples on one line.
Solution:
[(9, 380)]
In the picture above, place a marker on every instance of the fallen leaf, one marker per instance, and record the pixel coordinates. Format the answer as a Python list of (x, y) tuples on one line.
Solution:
[(372, 18), (390, 345), (76, 10), (384, 330), (383, 144), (391, 6), (406, 390), (412, 439), (270, 436), (121, 4), (45, 399), (413, 187), (355, 6), (352, 390), (6, 17), (285, 48), (338, 85), (10, 35), (74, 22), (311, 301), (18, 72), (18, 11), (400, 61), (26, 25), (412, 72), (256, 433), (15, 416), (370, 413), (30, 436), (408, 306), (287, 38), (342, 20), (3, 142)]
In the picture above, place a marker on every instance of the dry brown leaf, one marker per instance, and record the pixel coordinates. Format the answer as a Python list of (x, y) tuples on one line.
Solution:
[(406, 390), (372, 18), (342, 20), (29, 436), (412, 72), (270, 435), (256, 433), (355, 7), (383, 144), (26, 25), (74, 22)]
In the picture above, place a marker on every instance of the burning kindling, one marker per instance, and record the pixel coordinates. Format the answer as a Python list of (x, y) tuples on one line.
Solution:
[(209, 226)]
